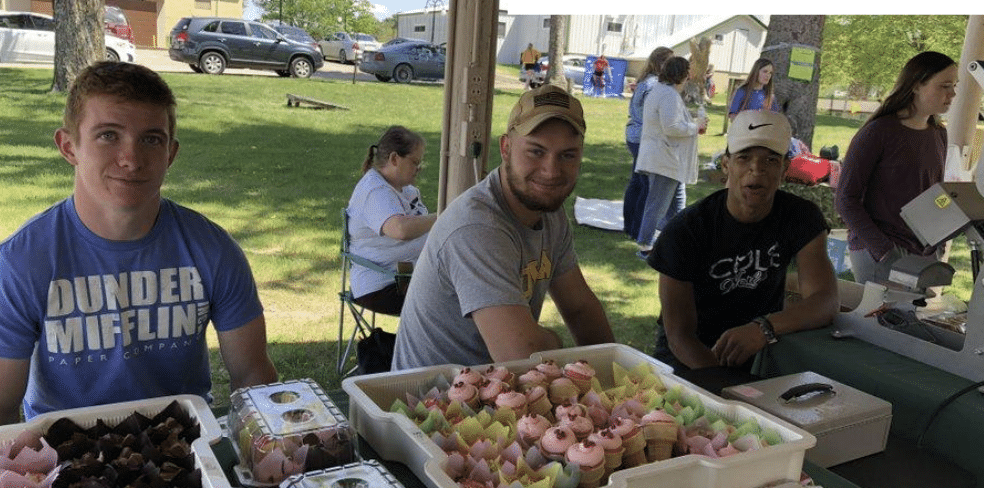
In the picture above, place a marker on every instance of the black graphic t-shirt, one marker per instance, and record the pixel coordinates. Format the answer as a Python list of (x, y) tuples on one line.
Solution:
[(738, 270)]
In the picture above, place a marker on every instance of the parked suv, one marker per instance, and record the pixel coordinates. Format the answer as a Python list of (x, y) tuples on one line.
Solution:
[(211, 44)]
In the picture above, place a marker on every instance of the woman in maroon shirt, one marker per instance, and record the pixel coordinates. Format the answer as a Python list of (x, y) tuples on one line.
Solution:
[(896, 155)]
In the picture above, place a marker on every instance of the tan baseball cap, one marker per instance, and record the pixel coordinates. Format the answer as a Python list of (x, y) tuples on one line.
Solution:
[(759, 128), (541, 104)]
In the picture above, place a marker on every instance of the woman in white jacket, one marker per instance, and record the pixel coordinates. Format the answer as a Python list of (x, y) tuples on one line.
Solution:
[(667, 150)]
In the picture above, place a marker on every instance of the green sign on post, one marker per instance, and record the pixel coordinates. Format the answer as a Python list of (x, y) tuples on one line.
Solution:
[(801, 63)]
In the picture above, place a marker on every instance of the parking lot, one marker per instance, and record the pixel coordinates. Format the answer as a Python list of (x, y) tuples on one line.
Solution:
[(158, 60)]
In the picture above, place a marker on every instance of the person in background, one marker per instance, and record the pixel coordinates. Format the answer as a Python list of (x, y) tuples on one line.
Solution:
[(529, 59), (634, 203), (756, 92), (709, 88), (501, 246), (388, 221), (105, 297), (896, 155), (722, 262), (601, 69), (667, 151)]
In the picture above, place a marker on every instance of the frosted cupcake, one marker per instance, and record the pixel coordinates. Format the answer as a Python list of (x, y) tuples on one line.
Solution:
[(513, 400), (632, 440), (581, 426), (562, 390), (469, 376), (581, 373), (660, 430), (489, 389), (531, 427), (555, 441), (500, 373), (538, 402), (612, 444), (590, 458), (550, 368), (466, 393), (530, 379)]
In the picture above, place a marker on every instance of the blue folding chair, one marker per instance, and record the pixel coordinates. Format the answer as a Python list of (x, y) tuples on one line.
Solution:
[(363, 326)]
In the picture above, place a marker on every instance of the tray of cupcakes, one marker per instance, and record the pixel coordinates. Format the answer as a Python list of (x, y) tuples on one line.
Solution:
[(158, 442), (604, 415)]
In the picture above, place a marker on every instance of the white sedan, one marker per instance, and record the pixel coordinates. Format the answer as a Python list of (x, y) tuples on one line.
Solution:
[(28, 37)]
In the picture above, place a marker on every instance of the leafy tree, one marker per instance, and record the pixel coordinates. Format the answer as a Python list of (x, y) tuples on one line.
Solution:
[(864, 53), (79, 39), (321, 18), (797, 98)]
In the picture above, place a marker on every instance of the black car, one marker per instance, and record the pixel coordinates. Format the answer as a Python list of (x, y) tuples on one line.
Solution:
[(211, 44)]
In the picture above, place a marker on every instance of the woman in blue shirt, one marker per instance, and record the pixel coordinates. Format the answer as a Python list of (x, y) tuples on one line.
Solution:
[(756, 92)]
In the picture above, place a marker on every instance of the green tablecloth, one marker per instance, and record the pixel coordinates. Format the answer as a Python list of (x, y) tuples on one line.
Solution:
[(913, 388)]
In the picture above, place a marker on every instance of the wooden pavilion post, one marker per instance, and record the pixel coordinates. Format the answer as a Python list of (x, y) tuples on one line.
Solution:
[(468, 87)]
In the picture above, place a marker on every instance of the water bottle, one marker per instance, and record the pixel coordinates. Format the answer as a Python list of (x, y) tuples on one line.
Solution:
[(701, 119)]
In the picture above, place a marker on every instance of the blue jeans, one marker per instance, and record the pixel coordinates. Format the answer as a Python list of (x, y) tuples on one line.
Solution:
[(634, 203), (666, 198)]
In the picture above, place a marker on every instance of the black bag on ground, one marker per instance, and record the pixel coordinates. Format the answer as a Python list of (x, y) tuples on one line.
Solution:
[(375, 353)]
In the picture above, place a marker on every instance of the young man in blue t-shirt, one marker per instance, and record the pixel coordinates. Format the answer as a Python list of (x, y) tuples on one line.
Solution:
[(105, 296)]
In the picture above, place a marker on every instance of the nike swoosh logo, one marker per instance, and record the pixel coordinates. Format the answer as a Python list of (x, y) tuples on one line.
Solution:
[(753, 127)]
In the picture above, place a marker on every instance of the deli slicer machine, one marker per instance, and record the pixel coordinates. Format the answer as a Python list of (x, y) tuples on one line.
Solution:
[(894, 316)]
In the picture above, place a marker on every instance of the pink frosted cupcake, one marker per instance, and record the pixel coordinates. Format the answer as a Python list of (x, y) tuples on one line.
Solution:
[(469, 376), (581, 373), (500, 373), (590, 458), (632, 440), (562, 390), (581, 426), (489, 389), (612, 444), (531, 427), (513, 400), (531, 379), (466, 393), (660, 430), (537, 401), (563, 409), (555, 441), (550, 369)]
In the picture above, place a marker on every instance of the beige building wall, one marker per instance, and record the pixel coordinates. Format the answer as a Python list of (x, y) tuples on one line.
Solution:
[(157, 16), (173, 10)]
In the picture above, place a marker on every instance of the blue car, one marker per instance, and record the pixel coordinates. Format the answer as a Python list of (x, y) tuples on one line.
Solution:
[(405, 62)]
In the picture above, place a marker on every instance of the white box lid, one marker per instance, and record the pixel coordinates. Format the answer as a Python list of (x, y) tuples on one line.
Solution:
[(828, 406)]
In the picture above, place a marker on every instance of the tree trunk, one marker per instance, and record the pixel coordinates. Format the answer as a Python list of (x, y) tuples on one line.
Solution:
[(795, 40), (556, 50), (79, 39)]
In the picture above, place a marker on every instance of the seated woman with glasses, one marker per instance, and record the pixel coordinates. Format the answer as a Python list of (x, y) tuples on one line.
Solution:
[(388, 222)]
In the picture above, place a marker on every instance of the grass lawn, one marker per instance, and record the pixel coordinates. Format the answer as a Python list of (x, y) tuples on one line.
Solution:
[(275, 178)]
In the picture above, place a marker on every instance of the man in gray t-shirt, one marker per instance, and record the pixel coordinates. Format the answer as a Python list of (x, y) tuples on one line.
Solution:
[(500, 247)]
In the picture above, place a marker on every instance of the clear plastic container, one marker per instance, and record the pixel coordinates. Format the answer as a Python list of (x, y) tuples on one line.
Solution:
[(367, 474), (288, 428)]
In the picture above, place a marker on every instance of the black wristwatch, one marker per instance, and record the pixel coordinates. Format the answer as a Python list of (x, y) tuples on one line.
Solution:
[(767, 330)]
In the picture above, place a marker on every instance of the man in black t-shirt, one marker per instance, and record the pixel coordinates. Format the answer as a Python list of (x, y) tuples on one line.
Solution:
[(723, 260)]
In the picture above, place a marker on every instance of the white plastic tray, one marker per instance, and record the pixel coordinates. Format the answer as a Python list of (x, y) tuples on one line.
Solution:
[(112, 414), (395, 437)]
